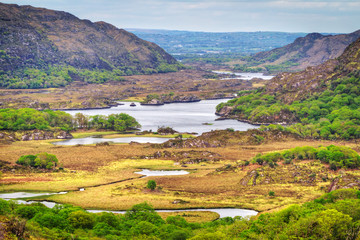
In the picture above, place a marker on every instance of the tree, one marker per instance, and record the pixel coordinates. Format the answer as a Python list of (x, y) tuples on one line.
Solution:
[(81, 219), (151, 184)]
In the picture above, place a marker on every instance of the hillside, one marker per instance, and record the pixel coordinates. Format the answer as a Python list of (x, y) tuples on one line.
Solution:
[(311, 50), (36, 38), (325, 99)]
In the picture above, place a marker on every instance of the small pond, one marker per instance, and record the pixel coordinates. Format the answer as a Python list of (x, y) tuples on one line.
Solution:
[(148, 173), (94, 140)]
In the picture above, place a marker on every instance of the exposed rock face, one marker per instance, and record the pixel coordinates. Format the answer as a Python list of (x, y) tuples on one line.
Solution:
[(34, 135), (307, 51), (36, 37)]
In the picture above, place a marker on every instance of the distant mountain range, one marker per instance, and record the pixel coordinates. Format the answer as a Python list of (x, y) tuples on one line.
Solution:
[(311, 50), (187, 42), (36, 38)]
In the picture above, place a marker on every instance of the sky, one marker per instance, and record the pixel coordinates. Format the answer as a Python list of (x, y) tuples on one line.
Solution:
[(326, 16)]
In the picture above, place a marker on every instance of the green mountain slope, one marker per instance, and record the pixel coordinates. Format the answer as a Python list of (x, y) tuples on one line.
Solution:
[(325, 99), (36, 38)]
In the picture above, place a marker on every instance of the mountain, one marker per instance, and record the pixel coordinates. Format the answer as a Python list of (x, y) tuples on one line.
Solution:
[(290, 87), (325, 99), (36, 38), (311, 50)]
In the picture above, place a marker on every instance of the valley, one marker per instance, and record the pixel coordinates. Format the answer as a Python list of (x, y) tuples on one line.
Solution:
[(104, 135)]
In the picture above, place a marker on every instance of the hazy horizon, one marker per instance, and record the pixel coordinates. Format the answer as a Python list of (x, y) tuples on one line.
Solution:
[(326, 16)]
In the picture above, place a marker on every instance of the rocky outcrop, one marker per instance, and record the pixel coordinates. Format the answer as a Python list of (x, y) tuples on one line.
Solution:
[(224, 111), (343, 181), (33, 135)]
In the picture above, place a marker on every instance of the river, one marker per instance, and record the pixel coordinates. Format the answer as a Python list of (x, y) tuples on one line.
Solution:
[(183, 117)]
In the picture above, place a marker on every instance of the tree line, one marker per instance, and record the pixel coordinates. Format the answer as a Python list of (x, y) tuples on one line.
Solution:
[(30, 119)]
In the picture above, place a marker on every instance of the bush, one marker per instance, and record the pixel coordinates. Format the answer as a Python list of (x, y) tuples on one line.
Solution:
[(42, 160), (151, 184), (81, 219), (4, 207)]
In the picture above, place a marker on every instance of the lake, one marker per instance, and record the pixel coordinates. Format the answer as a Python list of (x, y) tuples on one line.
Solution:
[(245, 75), (183, 117)]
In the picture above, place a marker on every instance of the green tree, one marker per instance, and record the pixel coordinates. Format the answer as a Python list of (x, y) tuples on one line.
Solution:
[(151, 184), (81, 219)]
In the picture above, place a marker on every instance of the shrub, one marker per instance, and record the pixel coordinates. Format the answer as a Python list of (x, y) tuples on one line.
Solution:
[(42, 160), (151, 184)]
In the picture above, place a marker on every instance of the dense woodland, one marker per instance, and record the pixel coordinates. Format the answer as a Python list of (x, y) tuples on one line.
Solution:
[(328, 217), (30, 119)]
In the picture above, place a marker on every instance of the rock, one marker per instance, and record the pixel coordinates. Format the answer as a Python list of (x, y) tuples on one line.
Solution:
[(132, 105), (35, 135), (224, 111), (102, 144)]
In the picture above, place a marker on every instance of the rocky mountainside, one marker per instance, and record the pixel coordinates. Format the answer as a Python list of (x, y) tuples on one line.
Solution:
[(35, 38), (311, 50), (289, 87)]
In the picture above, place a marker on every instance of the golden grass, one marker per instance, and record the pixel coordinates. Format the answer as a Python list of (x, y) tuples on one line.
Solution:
[(134, 99), (192, 216), (204, 187)]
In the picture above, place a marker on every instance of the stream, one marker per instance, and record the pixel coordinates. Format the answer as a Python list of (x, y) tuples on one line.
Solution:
[(223, 212)]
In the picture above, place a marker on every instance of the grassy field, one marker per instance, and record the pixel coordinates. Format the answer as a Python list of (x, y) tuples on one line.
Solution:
[(107, 174)]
